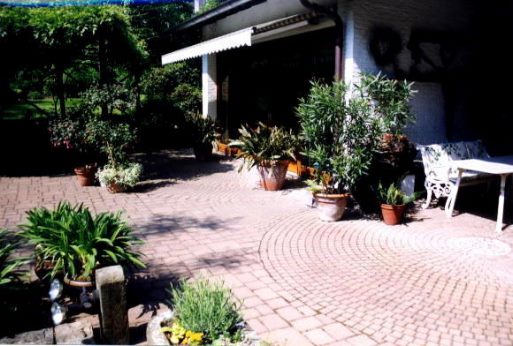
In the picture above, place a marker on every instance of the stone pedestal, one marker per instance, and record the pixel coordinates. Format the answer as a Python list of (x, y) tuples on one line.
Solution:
[(110, 283)]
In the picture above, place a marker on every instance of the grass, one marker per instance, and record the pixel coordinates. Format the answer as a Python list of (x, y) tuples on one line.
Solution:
[(26, 110)]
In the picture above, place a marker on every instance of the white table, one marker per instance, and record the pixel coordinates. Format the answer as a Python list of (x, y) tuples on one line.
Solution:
[(500, 165)]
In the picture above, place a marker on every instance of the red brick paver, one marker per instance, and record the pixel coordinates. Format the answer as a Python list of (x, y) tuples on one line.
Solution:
[(301, 281)]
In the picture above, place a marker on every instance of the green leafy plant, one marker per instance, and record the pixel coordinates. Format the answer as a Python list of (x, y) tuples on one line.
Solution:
[(207, 307), (77, 242), (393, 195), (124, 175), (392, 101), (9, 266), (111, 138), (340, 133), (265, 145), (202, 129)]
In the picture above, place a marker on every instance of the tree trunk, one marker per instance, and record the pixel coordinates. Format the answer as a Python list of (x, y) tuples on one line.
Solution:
[(59, 81), (102, 70)]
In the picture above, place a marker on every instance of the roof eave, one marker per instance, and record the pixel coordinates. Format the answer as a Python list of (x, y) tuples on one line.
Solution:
[(226, 9)]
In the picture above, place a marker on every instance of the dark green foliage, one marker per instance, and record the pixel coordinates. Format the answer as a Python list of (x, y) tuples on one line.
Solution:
[(206, 307), (187, 98), (9, 266), (78, 242), (202, 129), (113, 139), (265, 145)]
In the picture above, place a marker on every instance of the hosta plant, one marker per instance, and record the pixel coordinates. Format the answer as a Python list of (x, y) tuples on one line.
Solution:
[(205, 314), (78, 242)]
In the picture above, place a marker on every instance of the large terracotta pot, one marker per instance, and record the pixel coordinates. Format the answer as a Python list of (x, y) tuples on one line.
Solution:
[(331, 207), (85, 175), (392, 214), (272, 177), (203, 151)]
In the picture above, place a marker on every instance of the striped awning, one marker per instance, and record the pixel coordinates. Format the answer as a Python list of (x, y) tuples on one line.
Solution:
[(232, 40)]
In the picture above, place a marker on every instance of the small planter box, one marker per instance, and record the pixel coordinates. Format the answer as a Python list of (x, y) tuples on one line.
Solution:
[(155, 337)]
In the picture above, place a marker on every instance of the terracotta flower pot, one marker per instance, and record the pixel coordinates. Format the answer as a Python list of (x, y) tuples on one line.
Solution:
[(392, 214), (331, 207), (77, 283), (115, 187), (85, 175), (272, 178)]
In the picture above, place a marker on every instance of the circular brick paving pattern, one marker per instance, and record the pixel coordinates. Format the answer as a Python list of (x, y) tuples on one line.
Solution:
[(401, 283)]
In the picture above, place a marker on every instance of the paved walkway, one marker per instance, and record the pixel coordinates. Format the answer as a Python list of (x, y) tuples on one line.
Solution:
[(433, 281)]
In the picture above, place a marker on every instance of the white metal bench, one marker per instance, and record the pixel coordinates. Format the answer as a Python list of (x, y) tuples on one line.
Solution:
[(441, 176)]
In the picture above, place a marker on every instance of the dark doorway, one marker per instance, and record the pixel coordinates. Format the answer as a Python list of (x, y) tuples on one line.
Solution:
[(265, 81)]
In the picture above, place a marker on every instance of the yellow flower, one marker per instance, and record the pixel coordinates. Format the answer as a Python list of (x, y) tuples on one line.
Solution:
[(193, 339)]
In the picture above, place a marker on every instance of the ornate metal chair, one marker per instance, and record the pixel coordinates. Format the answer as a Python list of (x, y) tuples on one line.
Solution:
[(440, 176)]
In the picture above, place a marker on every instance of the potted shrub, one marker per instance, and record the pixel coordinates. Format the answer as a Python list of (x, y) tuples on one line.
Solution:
[(114, 140), (203, 135), (393, 203), (77, 242), (340, 136), (270, 149), (69, 133), (204, 313)]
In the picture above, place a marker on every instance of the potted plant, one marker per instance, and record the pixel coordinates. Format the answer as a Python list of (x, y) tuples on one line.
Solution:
[(114, 140), (340, 136), (393, 203), (270, 149), (203, 135), (121, 177), (68, 133), (77, 242), (204, 313)]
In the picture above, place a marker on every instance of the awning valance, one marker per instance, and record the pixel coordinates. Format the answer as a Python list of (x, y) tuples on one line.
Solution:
[(232, 40)]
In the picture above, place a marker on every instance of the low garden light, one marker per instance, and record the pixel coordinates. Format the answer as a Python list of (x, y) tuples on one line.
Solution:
[(55, 290), (58, 313)]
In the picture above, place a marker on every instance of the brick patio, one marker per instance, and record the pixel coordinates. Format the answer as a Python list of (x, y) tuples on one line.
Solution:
[(433, 281)]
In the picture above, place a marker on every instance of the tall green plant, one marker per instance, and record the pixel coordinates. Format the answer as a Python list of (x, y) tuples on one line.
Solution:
[(340, 133), (77, 242)]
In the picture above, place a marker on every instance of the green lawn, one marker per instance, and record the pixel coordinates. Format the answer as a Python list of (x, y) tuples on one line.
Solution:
[(26, 109)]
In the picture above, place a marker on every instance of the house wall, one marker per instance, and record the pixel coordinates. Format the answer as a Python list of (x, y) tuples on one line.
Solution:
[(434, 103)]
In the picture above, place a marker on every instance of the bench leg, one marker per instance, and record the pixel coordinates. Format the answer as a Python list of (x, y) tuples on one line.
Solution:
[(428, 199), (500, 209), (451, 200)]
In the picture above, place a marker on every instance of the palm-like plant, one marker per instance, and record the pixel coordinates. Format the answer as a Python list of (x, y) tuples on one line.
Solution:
[(77, 243), (9, 267), (265, 145)]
